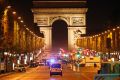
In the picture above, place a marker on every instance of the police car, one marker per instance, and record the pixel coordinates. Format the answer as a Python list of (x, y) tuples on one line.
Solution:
[(56, 69)]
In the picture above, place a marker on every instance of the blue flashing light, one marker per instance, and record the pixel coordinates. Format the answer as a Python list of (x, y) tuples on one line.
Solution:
[(52, 61)]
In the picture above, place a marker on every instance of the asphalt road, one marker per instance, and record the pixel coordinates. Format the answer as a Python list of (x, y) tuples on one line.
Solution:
[(42, 73)]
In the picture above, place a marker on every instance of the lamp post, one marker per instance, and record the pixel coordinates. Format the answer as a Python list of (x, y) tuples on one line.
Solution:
[(6, 53)]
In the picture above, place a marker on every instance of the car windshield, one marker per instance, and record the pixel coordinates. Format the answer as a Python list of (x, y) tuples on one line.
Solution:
[(56, 65), (21, 66)]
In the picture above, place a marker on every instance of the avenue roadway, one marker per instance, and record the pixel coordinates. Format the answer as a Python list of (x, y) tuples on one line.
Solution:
[(42, 73)]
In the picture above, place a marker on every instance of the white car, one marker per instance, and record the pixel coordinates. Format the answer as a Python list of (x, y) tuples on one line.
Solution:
[(56, 69), (20, 68), (41, 63)]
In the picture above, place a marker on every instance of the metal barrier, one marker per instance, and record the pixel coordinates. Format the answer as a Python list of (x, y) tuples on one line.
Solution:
[(107, 77)]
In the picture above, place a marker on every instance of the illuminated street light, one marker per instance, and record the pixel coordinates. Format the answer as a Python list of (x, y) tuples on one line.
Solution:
[(113, 29), (21, 21), (5, 53), (108, 30), (6, 61), (118, 27), (105, 31), (19, 18), (10, 54), (14, 12), (8, 7), (27, 29)]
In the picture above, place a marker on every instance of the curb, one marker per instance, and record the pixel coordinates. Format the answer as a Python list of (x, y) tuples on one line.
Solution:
[(5, 74)]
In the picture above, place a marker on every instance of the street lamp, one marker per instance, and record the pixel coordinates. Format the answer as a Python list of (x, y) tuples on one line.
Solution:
[(6, 53), (8, 7)]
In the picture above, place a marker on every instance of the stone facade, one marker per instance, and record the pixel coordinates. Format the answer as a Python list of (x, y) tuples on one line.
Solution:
[(74, 17)]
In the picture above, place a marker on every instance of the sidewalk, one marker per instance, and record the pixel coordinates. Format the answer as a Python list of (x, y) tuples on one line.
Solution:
[(5, 74), (8, 73)]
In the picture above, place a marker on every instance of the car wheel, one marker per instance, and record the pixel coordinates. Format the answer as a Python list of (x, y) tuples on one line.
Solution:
[(50, 74), (61, 73)]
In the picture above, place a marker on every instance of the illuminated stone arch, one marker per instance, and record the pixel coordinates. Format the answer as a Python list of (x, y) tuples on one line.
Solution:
[(59, 18), (75, 18)]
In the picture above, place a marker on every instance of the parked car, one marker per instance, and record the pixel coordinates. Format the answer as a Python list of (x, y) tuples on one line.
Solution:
[(20, 68), (41, 64)]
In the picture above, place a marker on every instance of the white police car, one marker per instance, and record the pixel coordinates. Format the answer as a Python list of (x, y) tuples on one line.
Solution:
[(56, 69)]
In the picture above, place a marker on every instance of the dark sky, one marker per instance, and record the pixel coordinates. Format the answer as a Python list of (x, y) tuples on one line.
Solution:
[(101, 13)]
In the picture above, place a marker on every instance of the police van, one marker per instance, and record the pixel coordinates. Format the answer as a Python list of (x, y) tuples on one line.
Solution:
[(56, 69)]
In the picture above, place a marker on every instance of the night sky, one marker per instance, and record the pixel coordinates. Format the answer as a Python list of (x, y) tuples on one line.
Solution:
[(101, 15)]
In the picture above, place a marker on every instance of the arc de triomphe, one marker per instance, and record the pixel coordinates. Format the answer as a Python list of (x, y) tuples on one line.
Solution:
[(74, 17)]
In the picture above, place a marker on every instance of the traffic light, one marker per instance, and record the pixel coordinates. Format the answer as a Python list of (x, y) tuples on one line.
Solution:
[(78, 55)]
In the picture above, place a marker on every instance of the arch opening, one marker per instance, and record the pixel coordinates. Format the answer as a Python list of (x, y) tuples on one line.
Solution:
[(59, 35)]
